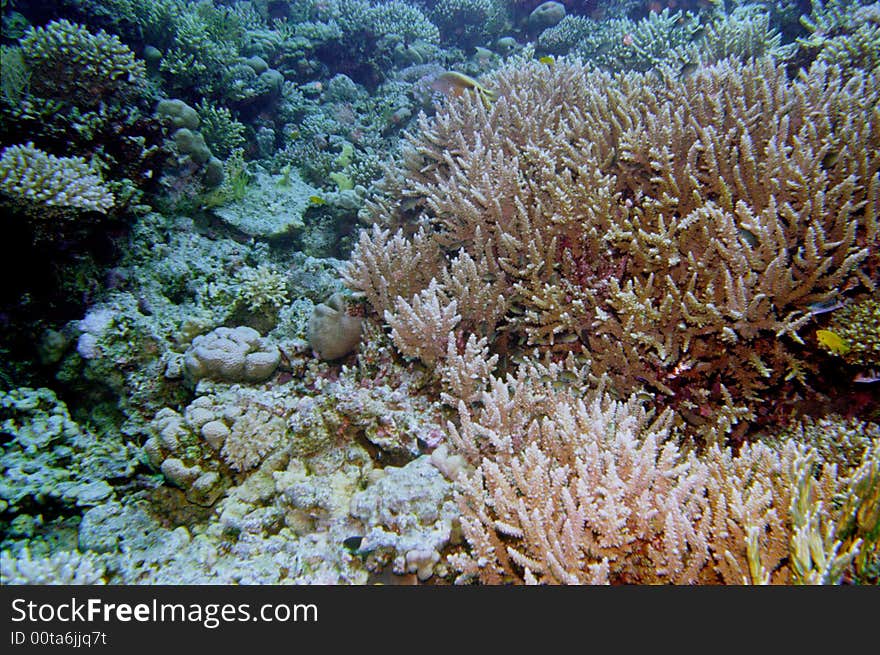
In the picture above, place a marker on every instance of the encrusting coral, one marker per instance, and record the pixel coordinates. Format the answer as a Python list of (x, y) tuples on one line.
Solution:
[(674, 232)]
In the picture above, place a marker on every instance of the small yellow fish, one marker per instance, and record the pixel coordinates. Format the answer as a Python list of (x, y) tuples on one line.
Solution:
[(317, 200), (547, 59), (453, 84), (832, 341)]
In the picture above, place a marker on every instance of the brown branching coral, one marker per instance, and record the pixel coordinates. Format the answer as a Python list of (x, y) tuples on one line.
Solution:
[(675, 232)]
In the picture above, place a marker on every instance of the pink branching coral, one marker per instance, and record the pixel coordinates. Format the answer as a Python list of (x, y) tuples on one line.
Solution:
[(673, 233)]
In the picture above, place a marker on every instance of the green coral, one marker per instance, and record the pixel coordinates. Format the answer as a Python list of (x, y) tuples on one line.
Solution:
[(403, 20), (843, 32), (622, 44), (858, 324), (745, 33), (262, 288), (466, 23), (31, 177), (69, 62), (48, 457)]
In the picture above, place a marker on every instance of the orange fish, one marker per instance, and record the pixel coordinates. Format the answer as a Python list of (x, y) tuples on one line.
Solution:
[(453, 84)]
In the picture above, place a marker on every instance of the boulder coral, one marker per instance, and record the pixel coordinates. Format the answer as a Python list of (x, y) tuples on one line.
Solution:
[(232, 354), (333, 333)]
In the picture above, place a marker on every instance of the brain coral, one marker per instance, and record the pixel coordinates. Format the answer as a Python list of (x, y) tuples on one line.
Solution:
[(231, 354)]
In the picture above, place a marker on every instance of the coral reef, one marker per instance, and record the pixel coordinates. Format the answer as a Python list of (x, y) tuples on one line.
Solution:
[(677, 250), (41, 182), (591, 490), (612, 318), (234, 354)]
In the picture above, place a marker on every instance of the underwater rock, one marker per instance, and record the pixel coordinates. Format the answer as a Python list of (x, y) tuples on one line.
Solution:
[(546, 15), (258, 64), (213, 175), (333, 333), (506, 45), (49, 459), (192, 144), (176, 439), (272, 207), (63, 567), (152, 55)]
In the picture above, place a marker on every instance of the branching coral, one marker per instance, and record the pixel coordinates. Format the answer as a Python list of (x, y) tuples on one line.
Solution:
[(843, 32), (67, 61), (746, 32), (467, 23), (674, 231), (623, 44), (36, 179), (570, 489), (262, 289)]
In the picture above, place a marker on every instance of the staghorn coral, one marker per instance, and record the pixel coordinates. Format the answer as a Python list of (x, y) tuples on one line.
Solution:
[(745, 32), (843, 32), (570, 488), (674, 232), (420, 329)]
